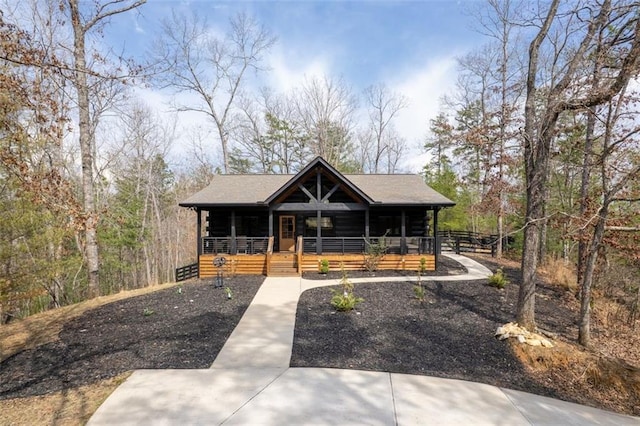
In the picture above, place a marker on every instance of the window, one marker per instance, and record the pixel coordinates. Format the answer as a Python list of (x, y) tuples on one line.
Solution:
[(326, 225), (326, 222)]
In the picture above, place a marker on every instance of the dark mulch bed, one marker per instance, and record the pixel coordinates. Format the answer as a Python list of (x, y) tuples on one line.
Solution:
[(164, 329), (449, 335)]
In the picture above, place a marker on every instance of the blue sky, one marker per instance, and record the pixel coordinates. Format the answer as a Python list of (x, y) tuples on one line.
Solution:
[(410, 46)]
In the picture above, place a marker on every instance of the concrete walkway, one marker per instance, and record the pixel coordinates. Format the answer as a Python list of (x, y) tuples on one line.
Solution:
[(250, 382)]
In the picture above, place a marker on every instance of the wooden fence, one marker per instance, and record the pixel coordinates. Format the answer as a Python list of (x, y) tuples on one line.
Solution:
[(470, 242), (187, 272)]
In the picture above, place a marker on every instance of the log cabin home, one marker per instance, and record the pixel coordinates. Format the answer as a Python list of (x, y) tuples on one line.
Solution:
[(289, 224)]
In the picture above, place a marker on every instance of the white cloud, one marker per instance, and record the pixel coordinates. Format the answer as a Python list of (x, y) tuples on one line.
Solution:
[(290, 69), (424, 87)]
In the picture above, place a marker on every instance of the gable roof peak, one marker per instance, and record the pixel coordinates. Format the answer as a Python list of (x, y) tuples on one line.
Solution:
[(319, 162)]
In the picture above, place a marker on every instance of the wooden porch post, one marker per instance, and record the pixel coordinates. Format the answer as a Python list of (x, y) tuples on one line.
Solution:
[(198, 232), (424, 247), (436, 240), (318, 212), (318, 232), (232, 249), (403, 233), (270, 221), (366, 224)]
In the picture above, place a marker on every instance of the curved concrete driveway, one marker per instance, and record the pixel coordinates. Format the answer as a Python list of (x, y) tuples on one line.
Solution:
[(250, 382)]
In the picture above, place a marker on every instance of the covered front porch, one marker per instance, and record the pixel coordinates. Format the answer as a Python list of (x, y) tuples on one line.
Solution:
[(347, 253), (275, 224)]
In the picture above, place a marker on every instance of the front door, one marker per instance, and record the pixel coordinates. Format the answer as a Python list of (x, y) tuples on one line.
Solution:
[(287, 233)]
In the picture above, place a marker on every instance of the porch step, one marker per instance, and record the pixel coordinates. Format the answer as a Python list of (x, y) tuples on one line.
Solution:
[(283, 265), (283, 274)]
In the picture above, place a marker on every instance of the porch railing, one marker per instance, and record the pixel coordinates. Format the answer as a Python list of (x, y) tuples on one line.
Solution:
[(239, 245), (343, 245)]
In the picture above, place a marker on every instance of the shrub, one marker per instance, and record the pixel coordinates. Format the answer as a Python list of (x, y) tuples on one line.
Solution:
[(147, 312), (423, 265), (419, 291), (324, 266), (344, 299), (375, 252), (498, 280)]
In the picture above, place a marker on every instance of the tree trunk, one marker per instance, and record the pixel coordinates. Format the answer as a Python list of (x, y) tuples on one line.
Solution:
[(86, 151), (537, 141), (527, 294), (584, 190), (584, 329), (544, 225)]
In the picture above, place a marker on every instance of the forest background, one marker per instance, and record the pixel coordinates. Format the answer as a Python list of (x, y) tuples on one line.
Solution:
[(538, 141)]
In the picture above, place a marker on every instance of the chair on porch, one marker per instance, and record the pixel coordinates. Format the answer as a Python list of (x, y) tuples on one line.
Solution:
[(242, 246)]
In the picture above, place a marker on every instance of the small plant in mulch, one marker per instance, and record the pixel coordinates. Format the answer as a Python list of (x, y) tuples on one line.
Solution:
[(343, 299), (147, 312), (422, 268), (324, 266), (499, 279), (418, 289), (227, 290), (419, 292), (374, 253)]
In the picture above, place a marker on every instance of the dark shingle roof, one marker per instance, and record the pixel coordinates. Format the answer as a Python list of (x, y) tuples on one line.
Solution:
[(398, 189), (255, 189), (237, 190)]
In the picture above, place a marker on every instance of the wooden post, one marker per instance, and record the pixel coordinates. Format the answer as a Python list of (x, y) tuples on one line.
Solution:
[(299, 254), (403, 233), (234, 247), (198, 232), (318, 212), (366, 224), (436, 240), (318, 232)]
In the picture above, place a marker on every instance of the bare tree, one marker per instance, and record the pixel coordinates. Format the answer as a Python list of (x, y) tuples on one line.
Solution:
[(499, 24), (142, 182), (383, 105), (619, 164), (213, 68), (570, 36), (325, 109), (82, 24)]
